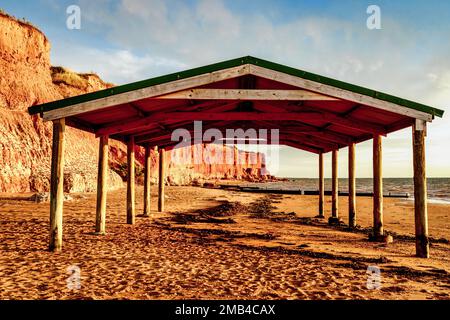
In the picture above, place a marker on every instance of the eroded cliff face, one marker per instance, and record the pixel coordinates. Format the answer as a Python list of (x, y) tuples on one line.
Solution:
[(25, 141), (27, 78)]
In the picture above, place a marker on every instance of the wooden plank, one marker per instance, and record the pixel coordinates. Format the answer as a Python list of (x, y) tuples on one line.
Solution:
[(378, 228), (145, 123), (318, 132), (321, 187), (351, 186), (148, 122), (102, 185), (131, 192), (148, 92), (128, 125), (348, 122), (147, 176), (334, 185), (338, 93), (307, 142), (343, 120), (290, 143), (420, 192), (247, 94), (298, 145), (312, 140), (57, 185), (161, 181), (304, 139)]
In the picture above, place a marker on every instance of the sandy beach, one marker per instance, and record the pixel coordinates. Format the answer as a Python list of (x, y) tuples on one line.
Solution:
[(217, 244)]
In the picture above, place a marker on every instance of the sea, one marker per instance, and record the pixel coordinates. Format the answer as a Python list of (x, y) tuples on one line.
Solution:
[(438, 188)]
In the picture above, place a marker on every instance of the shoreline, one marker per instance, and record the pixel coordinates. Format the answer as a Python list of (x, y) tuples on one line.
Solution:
[(289, 185)]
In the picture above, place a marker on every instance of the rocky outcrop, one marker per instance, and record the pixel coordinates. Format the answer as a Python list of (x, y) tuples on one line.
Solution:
[(27, 78), (185, 170)]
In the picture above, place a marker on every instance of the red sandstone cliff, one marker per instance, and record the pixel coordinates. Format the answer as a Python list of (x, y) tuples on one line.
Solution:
[(27, 78)]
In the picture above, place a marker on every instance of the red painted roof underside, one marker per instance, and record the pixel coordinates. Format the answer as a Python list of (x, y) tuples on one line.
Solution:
[(309, 134)]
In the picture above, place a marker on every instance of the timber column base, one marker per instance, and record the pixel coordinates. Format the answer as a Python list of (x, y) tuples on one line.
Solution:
[(335, 221), (380, 238), (99, 233)]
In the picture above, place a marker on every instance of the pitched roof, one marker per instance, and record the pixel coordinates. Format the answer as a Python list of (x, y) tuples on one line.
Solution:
[(230, 64)]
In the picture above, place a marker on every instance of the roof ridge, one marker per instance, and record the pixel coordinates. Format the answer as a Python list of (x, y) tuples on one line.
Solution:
[(229, 64)]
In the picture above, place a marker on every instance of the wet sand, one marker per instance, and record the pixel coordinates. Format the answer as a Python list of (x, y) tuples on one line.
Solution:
[(189, 253)]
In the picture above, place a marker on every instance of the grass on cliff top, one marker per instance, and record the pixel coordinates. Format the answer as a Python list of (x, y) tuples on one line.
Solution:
[(70, 78), (22, 21)]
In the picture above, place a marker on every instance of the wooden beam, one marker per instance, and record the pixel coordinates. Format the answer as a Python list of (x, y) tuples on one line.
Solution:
[(154, 137), (148, 92), (304, 140), (128, 125), (312, 140), (161, 182), (378, 229), (131, 192), (57, 185), (313, 131), (334, 185), (290, 143), (301, 146), (147, 166), (351, 186), (333, 136), (102, 185), (420, 191), (337, 92), (321, 187), (344, 120), (148, 122), (325, 134), (246, 94), (80, 124)]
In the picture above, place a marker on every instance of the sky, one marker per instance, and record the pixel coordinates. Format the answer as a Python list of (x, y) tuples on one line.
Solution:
[(130, 40)]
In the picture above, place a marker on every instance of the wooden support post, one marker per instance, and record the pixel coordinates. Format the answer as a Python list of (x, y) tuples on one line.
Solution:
[(334, 185), (102, 185), (130, 182), (162, 177), (420, 191), (57, 185), (321, 186), (147, 166), (351, 186), (378, 230)]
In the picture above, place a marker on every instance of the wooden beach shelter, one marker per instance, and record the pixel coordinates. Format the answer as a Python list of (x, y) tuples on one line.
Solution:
[(313, 113)]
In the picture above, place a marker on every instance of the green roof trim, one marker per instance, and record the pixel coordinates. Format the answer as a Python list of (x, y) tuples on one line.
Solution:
[(230, 64)]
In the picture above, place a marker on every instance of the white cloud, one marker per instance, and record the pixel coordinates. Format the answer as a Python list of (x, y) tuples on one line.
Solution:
[(117, 66)]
